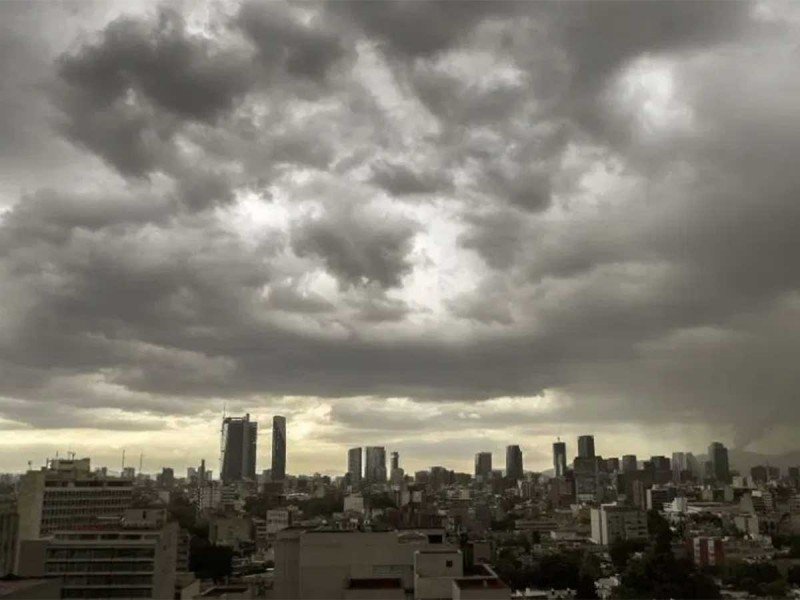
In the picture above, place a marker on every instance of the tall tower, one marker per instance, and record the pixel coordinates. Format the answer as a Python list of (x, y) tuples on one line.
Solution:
[(239, 439), (354, 467), (375, 471), (395, 461), (278, 448), (586, 446), (630, 463), (560, 458), (483, 465), (718, 457), (513, 462)]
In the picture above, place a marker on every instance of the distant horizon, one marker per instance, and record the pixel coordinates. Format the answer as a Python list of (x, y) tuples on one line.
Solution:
[(180, 471)]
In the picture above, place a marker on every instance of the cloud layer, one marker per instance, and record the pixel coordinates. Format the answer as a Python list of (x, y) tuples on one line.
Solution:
[(398, 214)]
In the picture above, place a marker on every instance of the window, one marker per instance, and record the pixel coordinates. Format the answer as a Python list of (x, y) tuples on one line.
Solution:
[(448, 563)]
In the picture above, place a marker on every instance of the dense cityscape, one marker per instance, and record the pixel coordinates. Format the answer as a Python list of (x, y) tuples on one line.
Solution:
[(685, 526), (399, 299)]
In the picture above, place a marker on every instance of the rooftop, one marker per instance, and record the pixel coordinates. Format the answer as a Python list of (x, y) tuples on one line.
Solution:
[(221, 590), (375, 583), (13, 585), (480, 583)]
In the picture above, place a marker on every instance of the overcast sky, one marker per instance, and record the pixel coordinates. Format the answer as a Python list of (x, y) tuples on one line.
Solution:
[(438, 227)]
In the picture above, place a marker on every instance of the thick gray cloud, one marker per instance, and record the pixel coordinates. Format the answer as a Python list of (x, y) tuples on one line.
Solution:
[(596, 203), (358, 247), (400, 180)]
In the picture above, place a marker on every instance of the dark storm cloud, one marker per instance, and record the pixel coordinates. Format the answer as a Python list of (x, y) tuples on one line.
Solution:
[(306, 50), (290, 299), (416, 29), (125, 95), (668, 293), (358, 247), (495, 236), (400, 180)]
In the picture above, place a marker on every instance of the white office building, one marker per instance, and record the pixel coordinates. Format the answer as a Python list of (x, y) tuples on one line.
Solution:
[(612, 522)]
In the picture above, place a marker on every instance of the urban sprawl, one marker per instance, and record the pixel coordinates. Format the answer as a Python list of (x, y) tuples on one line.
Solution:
[(679, 526)]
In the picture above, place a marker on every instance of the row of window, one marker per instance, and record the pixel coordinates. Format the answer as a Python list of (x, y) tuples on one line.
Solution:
[(79, 553), (100, 567), (117, 580), (106, 593)]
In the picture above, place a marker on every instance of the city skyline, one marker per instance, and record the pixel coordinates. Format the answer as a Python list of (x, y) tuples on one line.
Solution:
[(438, 228), (464, 463)]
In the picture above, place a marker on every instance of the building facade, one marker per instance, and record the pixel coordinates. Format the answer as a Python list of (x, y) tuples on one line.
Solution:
[(483, 466), (68, 494), (133, 557), (611, 522), (239, 446), (586, 446), (375, 471), (718, 457), (630, 463), (514, 462), (9, 534), (559, 459), (278, 448), (354, 466)]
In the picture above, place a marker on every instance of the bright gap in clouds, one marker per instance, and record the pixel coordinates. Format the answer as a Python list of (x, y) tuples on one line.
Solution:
[(647, 90)]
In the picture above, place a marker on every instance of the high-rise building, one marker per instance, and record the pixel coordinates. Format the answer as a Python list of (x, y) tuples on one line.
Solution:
[(629, 463), (395, 461), (612, 465), (9, 531), (278, 448), (718, 457), (375, 471), (354, 467), (483, 466), (66, 494), (166, 478), (586, 446), (693, 465), (679, 465), (513, 462), (560, 459), (239, 438)]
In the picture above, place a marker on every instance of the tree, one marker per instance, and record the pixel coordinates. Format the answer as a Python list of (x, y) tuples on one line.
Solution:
[(660, 532), (209, 561), (660, 575), (585, 589), (793, 576), (621, 550)]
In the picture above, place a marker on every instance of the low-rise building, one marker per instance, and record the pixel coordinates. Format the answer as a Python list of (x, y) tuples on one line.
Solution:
[(613, 522), (9, 532), (68, 494), (133, 557), (482, 588)]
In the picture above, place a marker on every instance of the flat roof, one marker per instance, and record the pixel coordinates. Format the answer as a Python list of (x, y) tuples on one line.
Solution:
[(375, 583), (11, 584), (480, 583), (224, 589)]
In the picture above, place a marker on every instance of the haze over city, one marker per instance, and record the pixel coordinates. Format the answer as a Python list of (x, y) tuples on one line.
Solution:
[(441, 228)]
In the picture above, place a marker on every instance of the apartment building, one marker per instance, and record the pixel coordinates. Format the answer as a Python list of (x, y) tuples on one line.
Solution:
[(67, 494), (131, 557), (611, 522)]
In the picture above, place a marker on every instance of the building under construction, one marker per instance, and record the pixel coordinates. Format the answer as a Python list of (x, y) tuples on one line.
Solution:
[(239, 438)]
